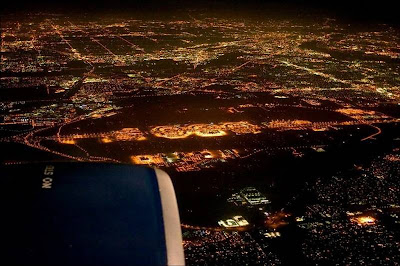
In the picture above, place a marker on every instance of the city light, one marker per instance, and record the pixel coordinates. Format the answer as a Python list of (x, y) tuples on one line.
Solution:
[(289, 120), (236, 221), (364, 220)]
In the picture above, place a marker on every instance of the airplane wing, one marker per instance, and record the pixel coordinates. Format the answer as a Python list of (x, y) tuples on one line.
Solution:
[(89, 214)]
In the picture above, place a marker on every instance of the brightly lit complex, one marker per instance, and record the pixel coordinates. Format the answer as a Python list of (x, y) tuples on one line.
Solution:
[(363, 220), (236, 221), (125, 134), (249, 196), (221, 129), (185, 161), (205, 130)]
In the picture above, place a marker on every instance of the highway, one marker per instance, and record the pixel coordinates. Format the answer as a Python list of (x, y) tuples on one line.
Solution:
[(372, 136)]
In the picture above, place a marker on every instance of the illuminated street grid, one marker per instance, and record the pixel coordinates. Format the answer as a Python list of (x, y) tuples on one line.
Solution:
[(369, 199), (234, 248)]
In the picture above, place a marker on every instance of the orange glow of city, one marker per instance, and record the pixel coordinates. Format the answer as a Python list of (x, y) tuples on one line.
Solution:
[(277, 220), (364, 220), (147, 159), (106, 140), (68, 141), (205, 130)]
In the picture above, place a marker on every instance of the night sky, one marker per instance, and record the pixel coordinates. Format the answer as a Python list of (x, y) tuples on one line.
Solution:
[(363, 11)]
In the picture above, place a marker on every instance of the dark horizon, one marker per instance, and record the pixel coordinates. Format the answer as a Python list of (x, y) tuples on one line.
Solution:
[(357, 11)]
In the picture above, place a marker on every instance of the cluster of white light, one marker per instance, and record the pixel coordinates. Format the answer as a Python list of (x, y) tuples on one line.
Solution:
[(236, 221)]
